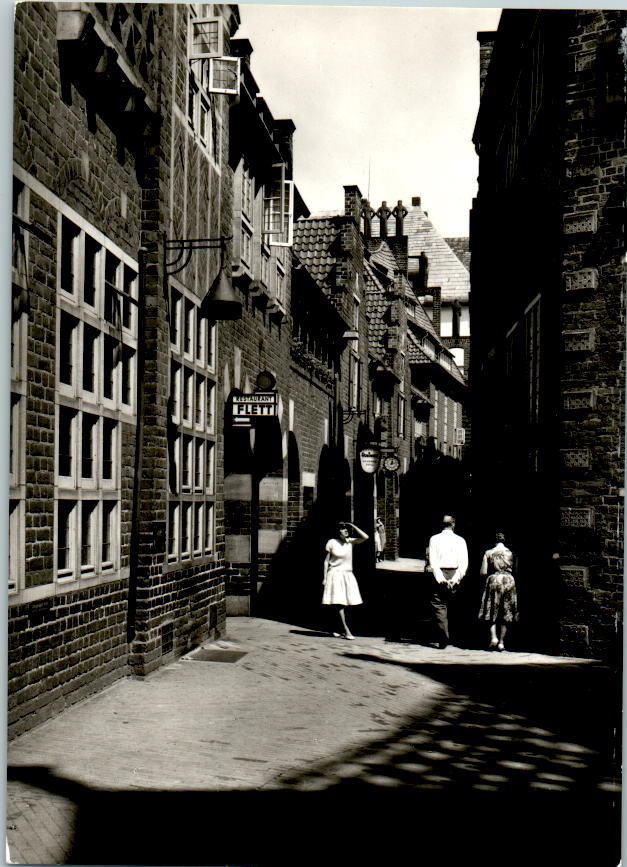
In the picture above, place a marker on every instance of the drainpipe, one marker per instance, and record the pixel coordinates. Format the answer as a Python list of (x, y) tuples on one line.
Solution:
[(139, 444)]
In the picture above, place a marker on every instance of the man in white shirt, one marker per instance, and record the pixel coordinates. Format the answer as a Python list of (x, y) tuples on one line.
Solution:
[(448, 558)]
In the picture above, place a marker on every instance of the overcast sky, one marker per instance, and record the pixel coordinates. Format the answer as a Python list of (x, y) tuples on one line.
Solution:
[(382, 97)]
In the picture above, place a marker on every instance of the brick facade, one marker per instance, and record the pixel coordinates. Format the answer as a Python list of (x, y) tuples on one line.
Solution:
[(551, 348)]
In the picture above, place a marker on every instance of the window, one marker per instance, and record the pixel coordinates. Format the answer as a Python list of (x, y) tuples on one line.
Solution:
[(21, 210), (224, 75), (186, 515), (206, 38), (199, 464), (88, 514), (90, 284), (173, 530), (247, 192), (210, 406), (247, 246), (66, 348), (354, 382), (128, 378), (87, 445), (90, 343), (191, 442), (188, 461), (106, 536), (209, 453), (16, 558), (109, 366), (278, 208), (201, 400), (111, 300), (108, 448), (70, 240), (97, 335), (66, 510)]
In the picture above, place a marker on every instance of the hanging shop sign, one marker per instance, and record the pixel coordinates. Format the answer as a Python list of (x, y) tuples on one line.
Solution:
[(369, 459), (246, 407)]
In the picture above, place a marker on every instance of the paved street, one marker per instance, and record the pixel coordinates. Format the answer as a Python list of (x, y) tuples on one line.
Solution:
[(288, 746)]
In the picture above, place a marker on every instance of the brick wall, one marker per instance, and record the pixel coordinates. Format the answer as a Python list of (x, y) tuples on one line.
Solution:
[(592, 458)]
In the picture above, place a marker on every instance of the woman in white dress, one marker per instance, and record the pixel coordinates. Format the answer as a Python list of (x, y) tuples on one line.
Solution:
[(340, 585)]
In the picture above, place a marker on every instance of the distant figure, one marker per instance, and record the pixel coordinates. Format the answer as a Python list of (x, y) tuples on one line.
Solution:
[(340, 585), (448, 558), (383, 213), (379, 539), (367, 213), (499, 604)]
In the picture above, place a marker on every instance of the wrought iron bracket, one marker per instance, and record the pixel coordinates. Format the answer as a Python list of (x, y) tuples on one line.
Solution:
[(186, 246), (348, 414)]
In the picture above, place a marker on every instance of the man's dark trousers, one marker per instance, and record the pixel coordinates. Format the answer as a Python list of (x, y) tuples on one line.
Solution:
[(441, 602)]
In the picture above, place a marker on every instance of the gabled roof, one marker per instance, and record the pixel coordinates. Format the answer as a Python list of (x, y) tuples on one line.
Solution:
[(313, 238), (445, 268)]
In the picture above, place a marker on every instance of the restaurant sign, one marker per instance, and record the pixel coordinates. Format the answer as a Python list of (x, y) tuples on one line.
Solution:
[(369, 459), (247, 407)]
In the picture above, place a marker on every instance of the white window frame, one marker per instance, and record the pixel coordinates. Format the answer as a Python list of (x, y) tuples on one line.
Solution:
[(278, 209), (217, 67), (195, 53)]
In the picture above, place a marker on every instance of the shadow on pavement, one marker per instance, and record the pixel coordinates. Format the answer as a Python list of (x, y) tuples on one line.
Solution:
[(516, 762)]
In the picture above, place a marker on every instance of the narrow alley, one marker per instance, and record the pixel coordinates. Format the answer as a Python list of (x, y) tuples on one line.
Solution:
[(283, 745)]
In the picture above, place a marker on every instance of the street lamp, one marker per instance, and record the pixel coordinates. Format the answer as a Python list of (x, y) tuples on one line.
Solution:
[(220, 301)]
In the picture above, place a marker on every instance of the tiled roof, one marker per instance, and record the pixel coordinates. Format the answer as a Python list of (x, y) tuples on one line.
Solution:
[(445, 269), (312, 242), (384, 256), (376, 307), (461, 248)]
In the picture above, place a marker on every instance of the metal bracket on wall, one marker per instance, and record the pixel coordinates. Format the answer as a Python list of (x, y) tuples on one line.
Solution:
[(348, 414)]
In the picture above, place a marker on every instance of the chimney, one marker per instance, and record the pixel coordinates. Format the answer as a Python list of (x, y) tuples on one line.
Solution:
[(352, 203), (486, 44)]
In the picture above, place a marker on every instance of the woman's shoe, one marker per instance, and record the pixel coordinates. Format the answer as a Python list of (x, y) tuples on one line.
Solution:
[(493, 645), (349, 637), (337, 635), (501, 646)]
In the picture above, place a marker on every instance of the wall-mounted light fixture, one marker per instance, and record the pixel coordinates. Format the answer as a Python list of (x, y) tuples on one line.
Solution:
[(220, 301)]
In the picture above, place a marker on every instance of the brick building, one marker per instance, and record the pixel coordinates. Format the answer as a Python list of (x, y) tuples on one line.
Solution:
[(548, 281), (197, 363), (121, 148)]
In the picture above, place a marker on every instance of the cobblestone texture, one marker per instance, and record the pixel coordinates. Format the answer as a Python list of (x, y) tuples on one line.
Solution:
[(364, 724)]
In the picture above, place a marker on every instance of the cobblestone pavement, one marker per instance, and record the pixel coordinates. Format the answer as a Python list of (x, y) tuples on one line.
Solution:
[(288, 735)]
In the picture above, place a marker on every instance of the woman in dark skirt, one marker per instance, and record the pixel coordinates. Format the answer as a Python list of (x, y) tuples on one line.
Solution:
[(499, 605)]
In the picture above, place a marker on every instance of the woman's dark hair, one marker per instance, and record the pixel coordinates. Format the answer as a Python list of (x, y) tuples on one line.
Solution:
[(500, 537)]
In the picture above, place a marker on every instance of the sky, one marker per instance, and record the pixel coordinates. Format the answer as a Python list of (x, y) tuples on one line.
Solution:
[(382, 97)]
